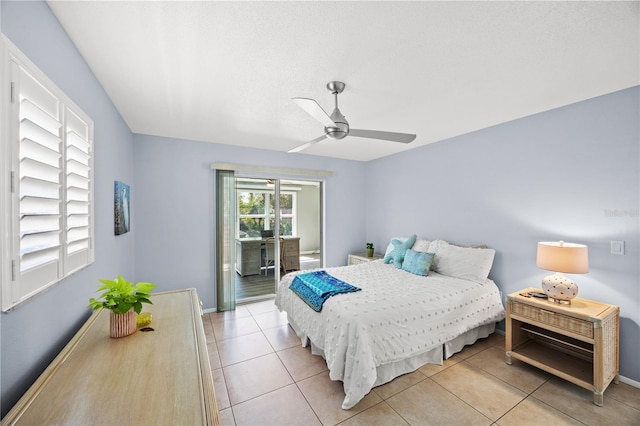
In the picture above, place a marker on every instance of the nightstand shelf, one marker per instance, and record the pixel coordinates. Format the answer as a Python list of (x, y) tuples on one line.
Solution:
[(561, 364), (577, 342)]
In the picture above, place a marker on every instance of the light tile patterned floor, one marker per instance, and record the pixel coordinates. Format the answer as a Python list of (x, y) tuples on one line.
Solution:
[(262, 376)]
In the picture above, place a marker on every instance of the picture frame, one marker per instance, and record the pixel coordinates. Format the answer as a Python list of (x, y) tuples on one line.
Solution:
[(122, 195)]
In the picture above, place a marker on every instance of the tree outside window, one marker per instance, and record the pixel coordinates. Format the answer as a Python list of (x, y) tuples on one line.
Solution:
[(252, 215)]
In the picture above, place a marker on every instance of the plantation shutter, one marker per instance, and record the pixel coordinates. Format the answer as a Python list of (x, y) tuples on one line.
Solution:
[(39, 172), (51, 202), (78, 190)]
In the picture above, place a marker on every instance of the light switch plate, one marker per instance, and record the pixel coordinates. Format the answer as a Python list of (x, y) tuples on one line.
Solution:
[(617, 247)]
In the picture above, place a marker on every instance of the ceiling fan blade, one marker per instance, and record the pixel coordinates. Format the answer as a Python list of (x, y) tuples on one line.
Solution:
[(315, 110), (387, 136), (308, 144)]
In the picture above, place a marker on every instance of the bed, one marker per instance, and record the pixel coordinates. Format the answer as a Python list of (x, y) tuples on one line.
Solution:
[(400, 320)]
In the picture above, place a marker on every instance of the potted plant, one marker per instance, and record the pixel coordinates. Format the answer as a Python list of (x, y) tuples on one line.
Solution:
[(124, 300), (369, 249)]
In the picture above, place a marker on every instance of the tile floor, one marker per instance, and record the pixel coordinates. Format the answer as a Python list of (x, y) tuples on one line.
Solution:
[(262, 376)]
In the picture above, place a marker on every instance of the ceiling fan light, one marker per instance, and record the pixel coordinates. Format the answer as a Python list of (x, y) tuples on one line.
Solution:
[(336, 133)]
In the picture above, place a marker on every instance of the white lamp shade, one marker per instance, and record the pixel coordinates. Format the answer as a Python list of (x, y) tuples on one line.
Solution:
[(563, 257)]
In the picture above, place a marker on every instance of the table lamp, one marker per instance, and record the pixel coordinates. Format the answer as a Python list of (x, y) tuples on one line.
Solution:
[(561, 258)]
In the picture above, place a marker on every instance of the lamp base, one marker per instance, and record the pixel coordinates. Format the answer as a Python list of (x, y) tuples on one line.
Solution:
[(559, 288), (559, 301)]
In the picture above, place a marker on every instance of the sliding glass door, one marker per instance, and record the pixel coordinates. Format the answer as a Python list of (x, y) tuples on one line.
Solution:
[(278, 230)]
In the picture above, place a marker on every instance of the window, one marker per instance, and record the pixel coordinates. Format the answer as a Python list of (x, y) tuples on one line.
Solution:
[(287, 216), (257, 204), (253, 216), (49, 207)]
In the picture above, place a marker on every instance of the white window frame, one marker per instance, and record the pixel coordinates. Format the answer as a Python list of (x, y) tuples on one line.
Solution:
[(294, 212), (74, 230)]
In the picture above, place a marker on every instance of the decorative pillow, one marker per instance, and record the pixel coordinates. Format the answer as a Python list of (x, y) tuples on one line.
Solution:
[(390, 247), (462, 262), (417, 262), (399, 249)]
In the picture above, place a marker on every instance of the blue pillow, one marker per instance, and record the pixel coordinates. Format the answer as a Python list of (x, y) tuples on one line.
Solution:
[(399, 249), (417, 262)]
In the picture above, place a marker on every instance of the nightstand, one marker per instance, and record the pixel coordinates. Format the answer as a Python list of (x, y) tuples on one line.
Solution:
[(577, 342), (356, 258)]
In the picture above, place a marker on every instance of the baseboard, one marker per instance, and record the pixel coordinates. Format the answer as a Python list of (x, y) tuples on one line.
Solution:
[(630, 382)]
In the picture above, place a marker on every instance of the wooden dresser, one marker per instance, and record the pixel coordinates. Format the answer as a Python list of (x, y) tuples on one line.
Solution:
[(155, 377), (291, 254), (248, 256)]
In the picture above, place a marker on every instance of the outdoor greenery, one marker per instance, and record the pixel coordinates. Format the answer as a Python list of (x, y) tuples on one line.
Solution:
[(251, 206)]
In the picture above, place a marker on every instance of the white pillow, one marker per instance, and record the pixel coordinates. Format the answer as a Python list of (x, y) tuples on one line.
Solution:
[(421, 246), (462, 262)]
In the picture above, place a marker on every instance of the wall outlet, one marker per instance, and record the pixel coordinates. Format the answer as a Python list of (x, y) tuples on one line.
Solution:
[(617, 247)]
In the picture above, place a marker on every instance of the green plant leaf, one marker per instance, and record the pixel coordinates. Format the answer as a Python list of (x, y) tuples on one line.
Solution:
[(144, 287), (120, 295), (122, 307)]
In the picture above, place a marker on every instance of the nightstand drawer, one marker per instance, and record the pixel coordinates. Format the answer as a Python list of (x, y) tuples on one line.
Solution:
[(355, 258), (575, 325)]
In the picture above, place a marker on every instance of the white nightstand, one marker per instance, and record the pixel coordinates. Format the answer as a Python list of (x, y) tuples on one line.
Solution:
[(356, 258)]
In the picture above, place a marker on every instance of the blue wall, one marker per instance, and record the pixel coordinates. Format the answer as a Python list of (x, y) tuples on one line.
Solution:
[(175, 220), (34, 332), (569, 174)]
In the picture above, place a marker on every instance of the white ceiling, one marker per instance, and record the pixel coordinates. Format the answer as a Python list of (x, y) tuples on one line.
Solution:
[(225, 72)]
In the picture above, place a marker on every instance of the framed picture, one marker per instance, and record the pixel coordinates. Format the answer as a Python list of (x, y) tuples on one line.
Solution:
[(121, 208)]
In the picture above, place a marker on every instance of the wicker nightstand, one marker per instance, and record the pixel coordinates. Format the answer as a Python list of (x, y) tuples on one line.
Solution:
[(356, 258), (577, 342)]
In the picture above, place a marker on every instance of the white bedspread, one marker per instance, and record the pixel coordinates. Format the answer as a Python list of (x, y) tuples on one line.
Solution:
[(397, 315)]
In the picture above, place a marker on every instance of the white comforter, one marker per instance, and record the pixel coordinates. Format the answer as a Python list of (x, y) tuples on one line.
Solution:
[(397, 315)]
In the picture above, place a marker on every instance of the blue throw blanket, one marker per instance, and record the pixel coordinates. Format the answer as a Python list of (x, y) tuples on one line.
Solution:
[(314, 288)]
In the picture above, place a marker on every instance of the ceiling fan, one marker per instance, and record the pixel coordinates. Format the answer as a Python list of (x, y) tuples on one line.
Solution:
[(336, 126)]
